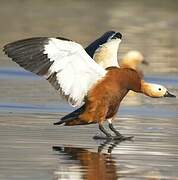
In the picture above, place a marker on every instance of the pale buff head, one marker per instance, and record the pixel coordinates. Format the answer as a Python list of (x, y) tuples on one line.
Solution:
[(132, 60), (155, 90)]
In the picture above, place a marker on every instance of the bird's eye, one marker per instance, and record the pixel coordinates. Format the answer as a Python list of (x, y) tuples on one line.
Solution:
[(159, 89)]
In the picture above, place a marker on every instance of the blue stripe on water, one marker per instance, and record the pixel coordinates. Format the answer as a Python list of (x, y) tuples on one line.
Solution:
[(10, 73)]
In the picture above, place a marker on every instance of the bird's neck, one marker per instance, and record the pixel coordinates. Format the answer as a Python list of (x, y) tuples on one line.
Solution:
[(135, 83), (129, 79)]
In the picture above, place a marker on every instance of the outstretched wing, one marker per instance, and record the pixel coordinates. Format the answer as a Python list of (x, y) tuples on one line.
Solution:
[(64, 63), (104, 50)]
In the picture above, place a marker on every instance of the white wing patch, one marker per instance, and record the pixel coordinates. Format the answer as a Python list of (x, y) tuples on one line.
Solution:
[(107, 54), (75, 71)]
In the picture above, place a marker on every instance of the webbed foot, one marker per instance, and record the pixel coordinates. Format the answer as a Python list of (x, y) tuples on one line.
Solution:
[(97, 137), (113, 138), (123, 138)]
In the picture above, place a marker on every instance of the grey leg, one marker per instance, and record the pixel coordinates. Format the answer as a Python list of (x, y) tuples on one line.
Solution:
[(117, 133), (104, 131), (114, 130), (111, 127)]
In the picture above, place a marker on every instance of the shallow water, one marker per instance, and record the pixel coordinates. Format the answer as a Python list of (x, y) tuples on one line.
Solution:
[(32, 148)]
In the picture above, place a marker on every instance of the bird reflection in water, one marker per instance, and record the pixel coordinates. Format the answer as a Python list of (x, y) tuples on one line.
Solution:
[(94, 165)]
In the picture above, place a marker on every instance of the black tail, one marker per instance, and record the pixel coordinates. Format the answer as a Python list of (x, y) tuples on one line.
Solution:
[(70, 117)]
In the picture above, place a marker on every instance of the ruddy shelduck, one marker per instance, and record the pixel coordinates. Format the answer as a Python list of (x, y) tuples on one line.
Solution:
[(78, 78)]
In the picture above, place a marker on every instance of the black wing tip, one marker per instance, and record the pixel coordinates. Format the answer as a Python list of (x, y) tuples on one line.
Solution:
[(64, 39), (27, 40), (117, 35), (38, 41), (28, 53), (6, 50), (19, 43), (112, 33)]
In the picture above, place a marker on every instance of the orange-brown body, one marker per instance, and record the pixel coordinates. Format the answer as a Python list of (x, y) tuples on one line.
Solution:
[(103, 100)]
